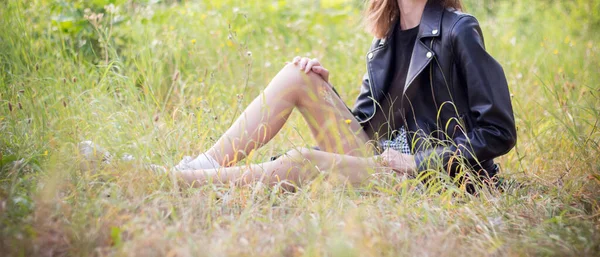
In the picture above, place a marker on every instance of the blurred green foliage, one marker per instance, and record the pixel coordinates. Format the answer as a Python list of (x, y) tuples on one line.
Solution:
[(89, 27), (87, 37)]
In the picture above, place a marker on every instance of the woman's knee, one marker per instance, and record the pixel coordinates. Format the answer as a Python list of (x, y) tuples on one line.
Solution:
[(296, 77)]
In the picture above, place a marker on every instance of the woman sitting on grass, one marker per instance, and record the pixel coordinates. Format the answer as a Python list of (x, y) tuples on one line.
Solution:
[(432, 99)]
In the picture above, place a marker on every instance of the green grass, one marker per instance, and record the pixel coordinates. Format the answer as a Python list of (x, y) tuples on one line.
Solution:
[(167, 78)]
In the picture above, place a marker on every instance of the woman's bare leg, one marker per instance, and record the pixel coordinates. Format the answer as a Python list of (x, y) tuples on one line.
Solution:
[(294, 167), (333, 126)]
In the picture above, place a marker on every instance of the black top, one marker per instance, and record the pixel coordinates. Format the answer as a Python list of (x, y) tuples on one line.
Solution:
[(387, 118)]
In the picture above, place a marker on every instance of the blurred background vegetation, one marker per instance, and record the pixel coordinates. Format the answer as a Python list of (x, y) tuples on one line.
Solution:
[(160, 79)]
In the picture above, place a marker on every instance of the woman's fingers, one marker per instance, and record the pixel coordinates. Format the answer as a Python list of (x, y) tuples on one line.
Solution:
[(324, 73), (306, 64), (296, 59), (310, 64), (396, 160), (303, 62)]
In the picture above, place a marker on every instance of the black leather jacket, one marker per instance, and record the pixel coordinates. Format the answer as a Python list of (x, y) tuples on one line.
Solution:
[(456, 101)]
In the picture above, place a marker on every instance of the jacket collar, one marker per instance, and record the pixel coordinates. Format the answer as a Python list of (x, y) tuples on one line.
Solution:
[(430, 25), (380, 58), (431, 21)]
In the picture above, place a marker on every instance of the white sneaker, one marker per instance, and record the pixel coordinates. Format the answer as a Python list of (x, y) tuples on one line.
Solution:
[(94, 156), (202, 162)]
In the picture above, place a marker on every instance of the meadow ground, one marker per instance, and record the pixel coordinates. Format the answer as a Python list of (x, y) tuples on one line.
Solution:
[(160, 79)]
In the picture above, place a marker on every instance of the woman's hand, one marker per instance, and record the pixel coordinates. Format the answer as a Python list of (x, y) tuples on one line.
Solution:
[(307, 65), (399, 162)]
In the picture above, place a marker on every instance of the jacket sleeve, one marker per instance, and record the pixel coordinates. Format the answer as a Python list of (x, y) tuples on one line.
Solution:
[(364, 101), (493, 131)]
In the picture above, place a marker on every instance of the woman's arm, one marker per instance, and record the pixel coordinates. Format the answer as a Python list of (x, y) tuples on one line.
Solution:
[(364, 100), (494, 132)]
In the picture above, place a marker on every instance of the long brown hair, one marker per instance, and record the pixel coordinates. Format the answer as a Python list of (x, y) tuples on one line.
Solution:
[(381, 14)]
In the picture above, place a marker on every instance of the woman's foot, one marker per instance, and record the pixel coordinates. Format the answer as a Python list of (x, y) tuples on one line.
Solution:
[(202, 162)]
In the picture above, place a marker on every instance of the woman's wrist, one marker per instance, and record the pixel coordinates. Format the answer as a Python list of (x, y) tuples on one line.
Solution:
[(404, 163)]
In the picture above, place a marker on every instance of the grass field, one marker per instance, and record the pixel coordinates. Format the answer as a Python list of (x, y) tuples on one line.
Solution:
[(163, 79)]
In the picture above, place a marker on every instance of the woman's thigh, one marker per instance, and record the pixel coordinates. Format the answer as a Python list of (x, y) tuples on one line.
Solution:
[(335, 128), (344, 168)]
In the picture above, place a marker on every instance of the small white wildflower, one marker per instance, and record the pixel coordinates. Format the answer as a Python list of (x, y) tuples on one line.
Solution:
[(110, 8), (155, 43)]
